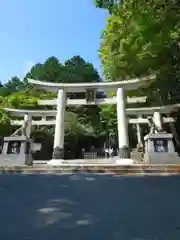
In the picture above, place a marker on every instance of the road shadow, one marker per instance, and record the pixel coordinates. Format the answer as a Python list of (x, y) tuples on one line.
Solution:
[(88, 206)]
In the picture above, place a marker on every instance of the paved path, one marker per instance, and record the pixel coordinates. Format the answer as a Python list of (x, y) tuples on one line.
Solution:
[(89, 207)]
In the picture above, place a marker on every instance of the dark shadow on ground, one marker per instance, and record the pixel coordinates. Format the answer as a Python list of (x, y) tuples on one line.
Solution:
[(90, 207)]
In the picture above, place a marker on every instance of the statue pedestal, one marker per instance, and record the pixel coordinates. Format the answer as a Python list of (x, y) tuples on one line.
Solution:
[(15, 150), (159, 149)]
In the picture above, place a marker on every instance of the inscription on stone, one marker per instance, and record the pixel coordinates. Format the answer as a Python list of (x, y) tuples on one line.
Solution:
[(160, 145), (14, 147), (90, 95)]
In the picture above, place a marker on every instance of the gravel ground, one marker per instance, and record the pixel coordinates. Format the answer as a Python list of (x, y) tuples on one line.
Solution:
[(89, 207)]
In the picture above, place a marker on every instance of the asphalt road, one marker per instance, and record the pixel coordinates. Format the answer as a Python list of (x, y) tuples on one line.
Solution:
[(89, 207)]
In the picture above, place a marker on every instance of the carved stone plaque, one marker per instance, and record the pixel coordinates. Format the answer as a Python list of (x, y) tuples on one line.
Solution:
[(90, 95), (14, 147), (160, 145)]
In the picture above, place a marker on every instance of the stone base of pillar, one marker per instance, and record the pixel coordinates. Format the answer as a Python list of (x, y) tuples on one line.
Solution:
[(58, 153), (124, 152)]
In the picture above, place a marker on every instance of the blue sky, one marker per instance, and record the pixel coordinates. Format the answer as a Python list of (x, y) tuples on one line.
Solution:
[(33, 30)]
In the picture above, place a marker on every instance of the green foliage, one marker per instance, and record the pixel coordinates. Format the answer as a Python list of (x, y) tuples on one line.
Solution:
[(107, 4), (108, 120), (142, 37), (79, 71), (73, 70), (4, 117), (5, 128), (75, 127), (21, 100), (13, 85), (50, 70)]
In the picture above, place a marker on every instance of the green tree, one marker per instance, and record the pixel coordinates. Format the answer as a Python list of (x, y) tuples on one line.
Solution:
[(5, 128), (47, 71), (75, 69), (80, 71), (142, 37), (13, 85)]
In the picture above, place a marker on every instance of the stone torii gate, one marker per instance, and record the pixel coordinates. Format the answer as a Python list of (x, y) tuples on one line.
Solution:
[(90, 88), (155, 112)]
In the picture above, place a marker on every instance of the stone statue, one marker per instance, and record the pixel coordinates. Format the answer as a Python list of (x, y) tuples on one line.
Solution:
[(153, 127)]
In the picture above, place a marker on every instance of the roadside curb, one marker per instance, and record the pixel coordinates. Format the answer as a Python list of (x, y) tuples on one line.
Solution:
[(169, 169)]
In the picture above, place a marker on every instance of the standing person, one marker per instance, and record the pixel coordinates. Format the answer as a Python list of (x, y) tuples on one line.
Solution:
[(106, 153), (83, 151)]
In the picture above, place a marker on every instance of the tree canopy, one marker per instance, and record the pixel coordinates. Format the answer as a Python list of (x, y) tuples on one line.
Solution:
[(140, 38), (143, 37)]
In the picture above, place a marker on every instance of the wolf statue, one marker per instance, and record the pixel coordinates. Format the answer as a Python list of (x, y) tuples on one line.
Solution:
[(153, 127)]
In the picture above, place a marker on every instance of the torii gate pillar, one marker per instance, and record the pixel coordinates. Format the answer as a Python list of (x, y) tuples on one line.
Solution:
[(58, 149), (123, 140)]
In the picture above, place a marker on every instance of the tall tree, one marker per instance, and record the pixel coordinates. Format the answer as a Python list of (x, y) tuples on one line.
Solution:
[(75, 69), (80, 71), (50, 70), (142, 37)]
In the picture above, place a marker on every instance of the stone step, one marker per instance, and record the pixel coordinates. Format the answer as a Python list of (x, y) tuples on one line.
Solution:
[(92, 161)]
